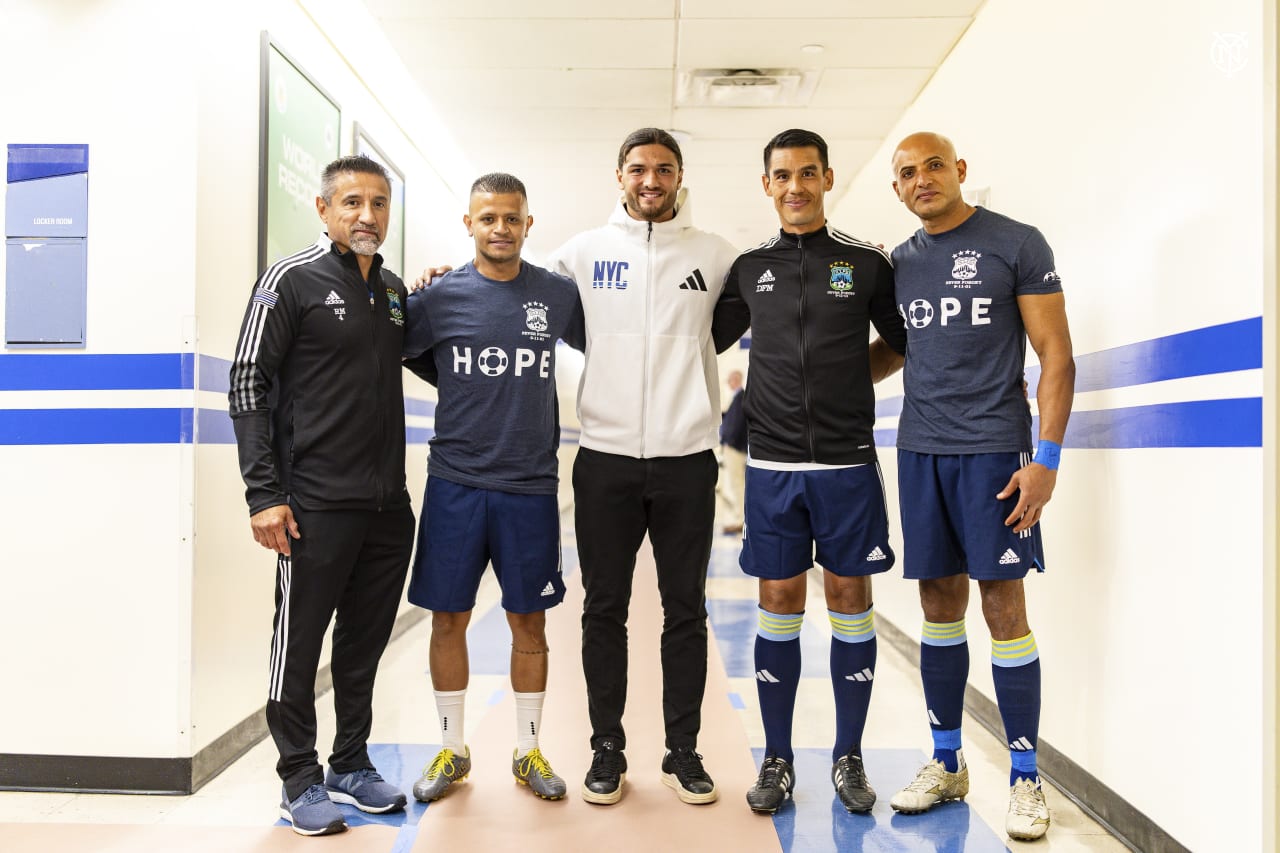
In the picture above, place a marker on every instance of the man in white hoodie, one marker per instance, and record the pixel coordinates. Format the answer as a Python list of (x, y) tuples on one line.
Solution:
[(650, 411)]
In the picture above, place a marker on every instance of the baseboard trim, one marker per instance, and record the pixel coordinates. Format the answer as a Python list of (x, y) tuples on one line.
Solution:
[(99, 774), (1119, 817)]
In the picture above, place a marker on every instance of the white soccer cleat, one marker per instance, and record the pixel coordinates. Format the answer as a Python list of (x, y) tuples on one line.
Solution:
[(933, 785), (1028, 817)]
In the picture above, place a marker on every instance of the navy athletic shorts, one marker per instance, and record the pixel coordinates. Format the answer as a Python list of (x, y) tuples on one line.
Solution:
[(463, 529), (841, 511), (952, 522)]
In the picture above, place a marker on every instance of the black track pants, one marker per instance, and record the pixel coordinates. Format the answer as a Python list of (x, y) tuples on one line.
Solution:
[(617, 500)]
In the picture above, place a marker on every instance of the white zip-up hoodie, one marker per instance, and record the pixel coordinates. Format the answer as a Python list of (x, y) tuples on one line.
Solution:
[(650, 386)]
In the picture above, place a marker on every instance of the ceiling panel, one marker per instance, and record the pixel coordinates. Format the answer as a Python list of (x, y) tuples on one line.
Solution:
[(522, 43), (849, 43), (520, 9), (870, 87), (817, 12), (550, 88), (761, 124)]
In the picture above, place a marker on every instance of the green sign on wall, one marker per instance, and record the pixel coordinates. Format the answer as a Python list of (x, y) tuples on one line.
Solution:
[(300, 125)]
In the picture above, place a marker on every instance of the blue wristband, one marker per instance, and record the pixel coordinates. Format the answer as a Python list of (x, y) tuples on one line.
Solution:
[(1048, 453)]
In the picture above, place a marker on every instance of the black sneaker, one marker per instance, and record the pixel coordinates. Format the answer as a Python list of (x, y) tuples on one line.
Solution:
[(850, 780), (773, 785), (603, 785), (683, 773)]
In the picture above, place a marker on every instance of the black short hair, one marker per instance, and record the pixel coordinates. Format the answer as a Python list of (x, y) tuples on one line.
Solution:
[(797, 138), (357, 163), (649, 136), (499, 183)]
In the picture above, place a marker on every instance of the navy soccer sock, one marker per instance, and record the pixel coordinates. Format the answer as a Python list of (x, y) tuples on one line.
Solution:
[(944, 671), (777, 677), (853, 666), (1015, 668)]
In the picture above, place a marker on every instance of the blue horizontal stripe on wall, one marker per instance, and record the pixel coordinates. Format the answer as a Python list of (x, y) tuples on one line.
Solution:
[(95, 426), (215, 374), (1197, 423), (117, 372), (1225, 348)]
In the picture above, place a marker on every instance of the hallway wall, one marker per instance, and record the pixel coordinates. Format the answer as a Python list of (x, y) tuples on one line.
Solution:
[(1124, 133)]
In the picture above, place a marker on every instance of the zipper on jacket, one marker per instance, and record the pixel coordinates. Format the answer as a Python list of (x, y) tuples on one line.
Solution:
[(804, 361), (377, 375), (648, 322)]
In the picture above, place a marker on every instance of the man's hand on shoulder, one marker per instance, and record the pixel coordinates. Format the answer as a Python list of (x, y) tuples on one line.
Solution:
[(273, 527), (429, 275)]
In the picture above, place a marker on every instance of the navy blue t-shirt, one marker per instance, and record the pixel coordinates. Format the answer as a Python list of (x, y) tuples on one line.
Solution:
[(497, 417), (966, 345)]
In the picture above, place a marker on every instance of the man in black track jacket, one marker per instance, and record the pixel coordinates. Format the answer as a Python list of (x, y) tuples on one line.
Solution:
[(810, 295), (318, 410)]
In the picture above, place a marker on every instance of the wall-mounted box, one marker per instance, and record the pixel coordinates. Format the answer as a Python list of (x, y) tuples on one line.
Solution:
[(46, 213)]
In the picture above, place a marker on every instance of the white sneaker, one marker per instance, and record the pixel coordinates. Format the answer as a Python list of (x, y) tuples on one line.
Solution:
[(933, 785), (1028, 813)]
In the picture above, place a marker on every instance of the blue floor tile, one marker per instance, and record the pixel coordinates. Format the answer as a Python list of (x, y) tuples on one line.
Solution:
[(814, 821)]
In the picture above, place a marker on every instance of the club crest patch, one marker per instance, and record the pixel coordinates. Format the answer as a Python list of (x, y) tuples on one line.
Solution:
[(394, 307), (536, 321), (966, 265), (840, 284)]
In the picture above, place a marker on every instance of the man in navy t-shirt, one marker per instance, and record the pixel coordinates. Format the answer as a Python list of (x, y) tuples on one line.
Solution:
[(492, 327), (973, 286)]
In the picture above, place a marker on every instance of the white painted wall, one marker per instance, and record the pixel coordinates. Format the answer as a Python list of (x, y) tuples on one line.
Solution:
[(1109, 127), (131, 568)]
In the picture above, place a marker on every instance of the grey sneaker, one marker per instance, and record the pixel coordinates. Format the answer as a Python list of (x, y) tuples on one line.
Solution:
[(773, 786), (312, 813), (365, 790), (445, 769), (932, 785), (850, 780), (535, 771)]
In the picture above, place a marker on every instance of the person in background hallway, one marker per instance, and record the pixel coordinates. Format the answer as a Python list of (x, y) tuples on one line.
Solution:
[(491, 329), (814, 490), (318, 411), (974, 286), (733, 447), (649, 409)]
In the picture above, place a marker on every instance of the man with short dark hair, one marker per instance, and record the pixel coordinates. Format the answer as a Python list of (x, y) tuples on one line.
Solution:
[(974, 287), (649, 409), (814, 490), (491, 327), (318, 411)]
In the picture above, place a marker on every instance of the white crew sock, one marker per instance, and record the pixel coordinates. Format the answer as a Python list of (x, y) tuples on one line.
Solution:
[(528, 721), (450, 705)]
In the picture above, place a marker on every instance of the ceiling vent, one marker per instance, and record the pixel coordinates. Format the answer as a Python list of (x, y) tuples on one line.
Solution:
[(745, 87)]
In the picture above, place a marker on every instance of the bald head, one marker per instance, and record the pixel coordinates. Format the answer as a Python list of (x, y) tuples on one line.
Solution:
[(926, 178), (927, 139)]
